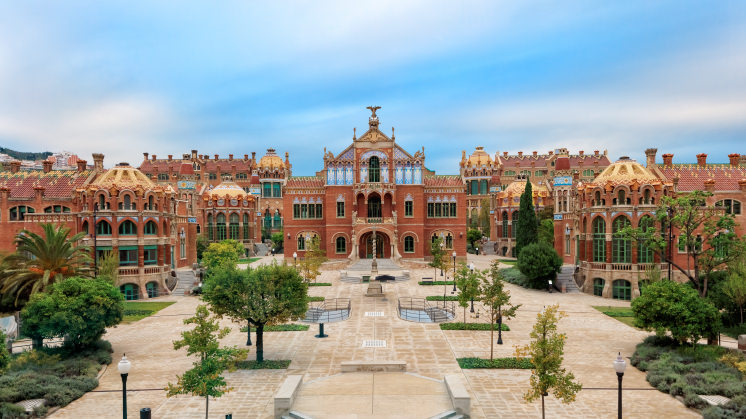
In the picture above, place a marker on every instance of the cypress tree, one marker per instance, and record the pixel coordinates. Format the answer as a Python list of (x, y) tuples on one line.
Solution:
[(527, 228)]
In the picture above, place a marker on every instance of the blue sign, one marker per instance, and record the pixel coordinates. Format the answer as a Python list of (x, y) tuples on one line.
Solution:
[(192, 220), (255, 190), (186, 184), (562, 181), (557, 217)]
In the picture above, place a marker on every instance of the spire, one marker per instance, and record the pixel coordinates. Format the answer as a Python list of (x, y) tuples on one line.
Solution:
[(393, 136), (354, 134)]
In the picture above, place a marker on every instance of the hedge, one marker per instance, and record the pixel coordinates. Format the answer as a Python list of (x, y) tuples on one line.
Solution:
[(471, 326), (501, 363)]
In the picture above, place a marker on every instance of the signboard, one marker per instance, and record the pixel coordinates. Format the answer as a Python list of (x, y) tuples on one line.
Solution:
[(494, 189), (562, 181), (557, 217), (192, 220), (255, 190), (186, 184)]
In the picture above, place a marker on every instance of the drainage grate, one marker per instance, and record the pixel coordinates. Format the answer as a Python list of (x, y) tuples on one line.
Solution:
[(374, 343), (374, 314)]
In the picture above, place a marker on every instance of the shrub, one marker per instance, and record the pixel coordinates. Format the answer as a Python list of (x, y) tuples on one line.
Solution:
[(540, 263), (471, 326), (501, 363), (678, 309), (11, 411)]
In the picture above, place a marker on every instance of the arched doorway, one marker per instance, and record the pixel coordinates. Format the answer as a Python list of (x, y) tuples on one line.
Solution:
[(383, 245)]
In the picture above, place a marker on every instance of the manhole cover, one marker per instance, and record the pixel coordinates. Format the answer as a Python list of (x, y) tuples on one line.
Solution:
[(714, 400), (374, 314), (374, 343)]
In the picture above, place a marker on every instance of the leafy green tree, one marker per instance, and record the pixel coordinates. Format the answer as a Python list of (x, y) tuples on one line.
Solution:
[(202, 244), (472, 235), (735, 286), (310, 265), (496, 298), (266, 295), (540, 263), (546, 231), (438, 252), (108, 267), (205, 379), (4, 354), (467, 281), (706, 235), (678, 309), (78, 309), (484, 217), (278, 240), (546, 351), (526, 226), (218, 254), (42, 260)]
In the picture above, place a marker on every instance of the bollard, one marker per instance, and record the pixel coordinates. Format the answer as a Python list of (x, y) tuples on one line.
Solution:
[(229, 416), (145, 413)]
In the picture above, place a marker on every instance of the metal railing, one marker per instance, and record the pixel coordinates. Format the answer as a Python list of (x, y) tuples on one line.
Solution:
[(422, 311), (329, 311)]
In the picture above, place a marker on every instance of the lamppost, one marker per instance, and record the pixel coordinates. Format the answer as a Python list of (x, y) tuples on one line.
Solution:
[(442, 248), (471, 268), (619, 366), (295, 260), (670, 240), (453, 255), (124, 369), (499, 325)]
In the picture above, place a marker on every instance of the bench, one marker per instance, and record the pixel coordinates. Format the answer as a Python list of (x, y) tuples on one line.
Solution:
[(427, 280), (374, 366), (285, 396), (457, 392)]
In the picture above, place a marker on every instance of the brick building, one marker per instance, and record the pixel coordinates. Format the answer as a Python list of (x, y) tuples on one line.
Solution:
[(375, 187)]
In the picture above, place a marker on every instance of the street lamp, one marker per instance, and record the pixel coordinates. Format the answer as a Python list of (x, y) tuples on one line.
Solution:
[(124, 369), (454, 272), (442, 247), (471, 267), (619, 366), (295, 259)]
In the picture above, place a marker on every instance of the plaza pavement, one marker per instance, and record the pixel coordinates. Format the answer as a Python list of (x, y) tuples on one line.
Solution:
[(592, 344)]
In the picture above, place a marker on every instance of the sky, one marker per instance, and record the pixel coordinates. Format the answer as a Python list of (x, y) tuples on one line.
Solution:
[(123, 77)]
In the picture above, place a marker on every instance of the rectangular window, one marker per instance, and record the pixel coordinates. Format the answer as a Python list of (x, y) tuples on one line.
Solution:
[(150, 254), (303, 211), (341, 246), (306, 211), (277, 190), (453, 209), (682, 245), (128, 256), (296, 210), (267, 190), (319, 212), (438, 210), (408, 208), (312, 211), (213, 176), (340, 209), (430, 209), (567, 245)]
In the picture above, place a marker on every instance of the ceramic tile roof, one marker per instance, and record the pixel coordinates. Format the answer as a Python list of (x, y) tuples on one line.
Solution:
[(444, 180), (525, 160), (692, 176), (589, 160), (625, 171), (57, 183), (305, 182), (148, 166)]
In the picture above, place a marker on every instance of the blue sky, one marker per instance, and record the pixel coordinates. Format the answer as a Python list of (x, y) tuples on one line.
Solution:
[(125, 78)]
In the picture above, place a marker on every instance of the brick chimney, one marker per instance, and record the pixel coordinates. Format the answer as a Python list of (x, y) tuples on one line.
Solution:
[(39, 192), (230, 157), (551, 152), (98, 161), (170, 157), (194, 154), (595, 152), (15, 166), (287, 158), (667, 159), (146, 155), (82, 165), (742, 185), (216, 156), (520, 154), (650, 156), (505, 154), (581, 152), (253, 156), (233, 171), (702, 159), (710, 185), (734, 159), (153, 157), (245, 157), (535, 153), (47, 165)]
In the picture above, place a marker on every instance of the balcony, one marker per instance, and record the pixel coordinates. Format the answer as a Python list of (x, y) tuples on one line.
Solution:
[(375, 220), (624, 267), (129, 271)]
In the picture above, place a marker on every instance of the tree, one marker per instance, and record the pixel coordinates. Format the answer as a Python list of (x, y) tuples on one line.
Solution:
[(438, 252), (42, 260), (540, 263), (205, 379), (201, 244), (546, 231), (484, 217), (473, 235), (108, 267), (546, 351), (706, 234), (526, 228), (676, 308), (4, 354), (218, 254), (278, 240), (467, 281), (268, 294), (735, 286), (78, 309), (312, 260), (493, 294)]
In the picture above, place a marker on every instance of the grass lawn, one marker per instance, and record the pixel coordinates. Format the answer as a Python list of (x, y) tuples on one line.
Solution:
[(268, 364), (502, 363), (249, 260), (136, 310), (313, 298), (320, 284), (280, 328), (623, 314), (508, 262), (734, 331), (441, 283)]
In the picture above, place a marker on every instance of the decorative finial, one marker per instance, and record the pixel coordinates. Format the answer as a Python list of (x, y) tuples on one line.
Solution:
[(373, 120), (393, 136), (354, 134)]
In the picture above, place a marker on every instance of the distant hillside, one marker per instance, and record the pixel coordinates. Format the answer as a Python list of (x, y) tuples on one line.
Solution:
[(21, 155)]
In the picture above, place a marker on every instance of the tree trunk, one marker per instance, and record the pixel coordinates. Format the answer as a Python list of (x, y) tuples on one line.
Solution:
[(741, 314), (207, 406), (464, 314), (37, 342), (248, 335), (260, 342), (542, 406)]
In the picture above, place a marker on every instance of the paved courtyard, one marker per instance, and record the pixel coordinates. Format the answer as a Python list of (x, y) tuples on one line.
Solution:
[(593, 341)]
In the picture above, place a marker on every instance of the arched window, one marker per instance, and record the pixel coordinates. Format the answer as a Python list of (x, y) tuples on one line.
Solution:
[(645, 253), (277, 221), (102, 202), (599, 240), (731, 206), (301, 242), (621, 290), (210, 229), (84, 227), (56, 209), (449, 241), (220, 228), (130, 291), (597, 198), (646, 197), (505, 224), (151, 228), (127, 204), (598, 286), (267, 220), (409, 244), (127, 228), (150, 203), (245, 226), (514, 224), (19, 213), (341, 245), (374, 170), (621, 248), (374, 207), (103, 228), (234, 226), (152, 289), (621, 200)]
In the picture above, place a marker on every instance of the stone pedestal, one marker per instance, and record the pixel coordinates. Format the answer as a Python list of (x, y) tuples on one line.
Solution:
[(375, 289)]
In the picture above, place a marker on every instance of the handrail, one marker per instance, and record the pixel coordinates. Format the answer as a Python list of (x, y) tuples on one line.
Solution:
[(423, 311), (329, 311)]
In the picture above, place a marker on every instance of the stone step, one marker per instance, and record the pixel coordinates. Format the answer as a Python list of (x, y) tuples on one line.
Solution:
[(451, 414)]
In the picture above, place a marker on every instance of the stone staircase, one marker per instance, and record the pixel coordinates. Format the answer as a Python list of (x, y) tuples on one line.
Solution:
[(451, 414), (186, 279), (565, 277), (261, 249), (295, 415), (355, 272)]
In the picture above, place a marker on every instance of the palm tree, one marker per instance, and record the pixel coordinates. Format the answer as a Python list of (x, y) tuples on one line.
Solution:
[(41, 260)]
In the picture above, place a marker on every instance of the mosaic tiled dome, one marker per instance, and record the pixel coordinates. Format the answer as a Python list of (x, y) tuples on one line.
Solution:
[(625, 171), (271, 160), (228, 189), (124, 176)]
